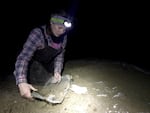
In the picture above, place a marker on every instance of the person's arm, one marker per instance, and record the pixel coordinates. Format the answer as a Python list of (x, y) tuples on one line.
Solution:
[(59, 60), (21, 65), (58, 63)]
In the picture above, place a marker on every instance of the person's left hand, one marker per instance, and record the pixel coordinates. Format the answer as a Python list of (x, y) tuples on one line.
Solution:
[(57, 77)]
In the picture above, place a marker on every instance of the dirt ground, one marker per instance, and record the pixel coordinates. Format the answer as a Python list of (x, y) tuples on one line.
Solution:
[(112, 87)]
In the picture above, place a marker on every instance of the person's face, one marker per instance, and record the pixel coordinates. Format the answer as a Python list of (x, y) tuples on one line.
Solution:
[(58, 29)]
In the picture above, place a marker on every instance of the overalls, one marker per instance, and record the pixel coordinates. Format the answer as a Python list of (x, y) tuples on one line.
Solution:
[(42, 64)]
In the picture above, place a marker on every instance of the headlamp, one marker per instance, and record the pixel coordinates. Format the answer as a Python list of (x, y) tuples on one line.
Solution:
[(61, 20)]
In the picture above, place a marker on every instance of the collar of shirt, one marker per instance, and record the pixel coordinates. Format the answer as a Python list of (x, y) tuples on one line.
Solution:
[(50, 41)]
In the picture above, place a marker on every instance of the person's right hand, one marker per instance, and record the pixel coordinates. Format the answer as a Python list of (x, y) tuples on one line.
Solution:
[(25, 90)]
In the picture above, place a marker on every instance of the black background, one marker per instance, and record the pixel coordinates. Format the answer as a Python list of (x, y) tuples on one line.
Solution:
[(104, 30)]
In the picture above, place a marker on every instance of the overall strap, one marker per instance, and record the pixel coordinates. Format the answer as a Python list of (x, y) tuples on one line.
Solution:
[(42, 29)]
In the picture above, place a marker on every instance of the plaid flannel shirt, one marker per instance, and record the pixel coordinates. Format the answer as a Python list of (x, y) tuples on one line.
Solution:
[(34, 42)]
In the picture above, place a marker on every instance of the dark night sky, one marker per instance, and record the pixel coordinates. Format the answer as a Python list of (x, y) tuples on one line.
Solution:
[(104, 30)]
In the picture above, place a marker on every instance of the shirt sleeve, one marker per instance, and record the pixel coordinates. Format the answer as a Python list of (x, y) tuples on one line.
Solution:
[(29, 47), (59, 60)]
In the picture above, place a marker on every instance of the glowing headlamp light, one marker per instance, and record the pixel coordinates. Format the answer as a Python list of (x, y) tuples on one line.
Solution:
[(61, 20)]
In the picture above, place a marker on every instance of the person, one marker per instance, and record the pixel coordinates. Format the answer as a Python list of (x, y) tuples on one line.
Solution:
[(45, 44)]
